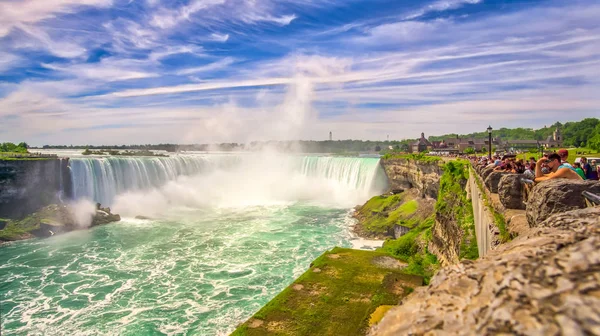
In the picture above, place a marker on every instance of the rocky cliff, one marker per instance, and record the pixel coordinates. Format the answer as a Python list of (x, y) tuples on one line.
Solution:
[(28, 185), (406, 173), (544, 282)]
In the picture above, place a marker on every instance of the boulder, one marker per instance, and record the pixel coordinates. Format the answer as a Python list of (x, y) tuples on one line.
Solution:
[(485, 172), (103, 217), (493, 179), (555, 196), (510, 191)]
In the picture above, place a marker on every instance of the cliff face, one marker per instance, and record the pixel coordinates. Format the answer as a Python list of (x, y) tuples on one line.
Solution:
[(27, 185), (453, 233), (404, 173)]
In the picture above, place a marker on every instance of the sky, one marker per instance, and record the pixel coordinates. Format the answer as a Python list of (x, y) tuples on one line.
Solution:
[(212, 71)]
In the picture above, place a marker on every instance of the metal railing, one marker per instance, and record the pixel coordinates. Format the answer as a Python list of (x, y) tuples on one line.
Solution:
[(591, 199)]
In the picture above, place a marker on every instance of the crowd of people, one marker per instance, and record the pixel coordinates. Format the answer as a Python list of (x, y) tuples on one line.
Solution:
[(550, 166)]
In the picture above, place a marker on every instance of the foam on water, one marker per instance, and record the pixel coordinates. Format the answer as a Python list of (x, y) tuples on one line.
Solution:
[(203, 275)]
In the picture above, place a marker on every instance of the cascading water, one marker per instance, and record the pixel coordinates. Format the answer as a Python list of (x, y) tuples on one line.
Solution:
[(102, 179), (228, 232)]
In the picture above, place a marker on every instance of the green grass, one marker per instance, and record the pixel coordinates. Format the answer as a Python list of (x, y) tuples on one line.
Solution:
[(409, 248), (572, 153), (416, 157), (336, 296)]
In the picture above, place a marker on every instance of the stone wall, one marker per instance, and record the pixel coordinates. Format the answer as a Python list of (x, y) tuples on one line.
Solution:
[(484, 219), (404, 173), (544, 282), (28, 185)]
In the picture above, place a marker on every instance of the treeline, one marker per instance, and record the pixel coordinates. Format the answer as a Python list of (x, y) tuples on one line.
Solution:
[(584, 133), (338, 146), (12, 148)]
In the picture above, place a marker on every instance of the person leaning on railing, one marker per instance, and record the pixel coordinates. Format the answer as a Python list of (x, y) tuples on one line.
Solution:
[(557, 170)]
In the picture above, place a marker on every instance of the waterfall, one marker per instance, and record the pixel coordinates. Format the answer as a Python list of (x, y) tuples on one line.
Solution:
[(101, 179)]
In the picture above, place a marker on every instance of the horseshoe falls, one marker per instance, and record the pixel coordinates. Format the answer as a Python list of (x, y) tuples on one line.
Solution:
[(221, 236)]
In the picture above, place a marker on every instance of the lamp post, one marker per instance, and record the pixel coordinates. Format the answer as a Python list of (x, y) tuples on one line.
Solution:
[(489, 129)]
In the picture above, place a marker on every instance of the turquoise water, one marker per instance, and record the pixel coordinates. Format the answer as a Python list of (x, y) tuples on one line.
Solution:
[(200, 274), (230, 232)]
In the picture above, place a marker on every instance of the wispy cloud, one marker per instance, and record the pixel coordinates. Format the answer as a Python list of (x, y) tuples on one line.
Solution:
[(440, 6), (14, 13), (221, 64)]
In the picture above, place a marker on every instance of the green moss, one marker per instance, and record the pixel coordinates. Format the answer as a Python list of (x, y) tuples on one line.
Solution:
[(381, 213), (14, 230), (453, 205), (336, 296)]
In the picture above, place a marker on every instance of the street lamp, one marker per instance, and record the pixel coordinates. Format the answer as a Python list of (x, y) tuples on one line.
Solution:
[(489, 129)]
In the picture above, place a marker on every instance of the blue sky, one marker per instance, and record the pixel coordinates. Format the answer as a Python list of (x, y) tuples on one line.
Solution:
[(203, 71)]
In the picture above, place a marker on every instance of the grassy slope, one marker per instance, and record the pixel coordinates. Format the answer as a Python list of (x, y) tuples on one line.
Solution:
[(412, 249), (336, 296)]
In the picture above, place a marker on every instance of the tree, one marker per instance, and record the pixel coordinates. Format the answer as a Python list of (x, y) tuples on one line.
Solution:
[(377, 148), (470, 150)]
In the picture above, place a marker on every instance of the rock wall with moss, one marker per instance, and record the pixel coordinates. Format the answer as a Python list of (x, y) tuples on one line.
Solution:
[(453, 233), (28, 185)]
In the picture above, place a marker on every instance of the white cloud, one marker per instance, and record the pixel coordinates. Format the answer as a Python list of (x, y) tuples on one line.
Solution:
[(13, 13), (107, 70), (218, 65), (39, 39), (7, 61), (219, 37), (174, 50), (166, 18), (440, 6), (218, 13)]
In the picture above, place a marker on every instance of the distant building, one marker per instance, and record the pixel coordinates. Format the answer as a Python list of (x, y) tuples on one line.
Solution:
[(330, 136), (459, 145), (421, 145)]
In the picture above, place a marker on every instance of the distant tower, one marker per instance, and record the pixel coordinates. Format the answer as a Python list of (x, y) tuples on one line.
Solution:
[(557, 136), (388, 137), (330, 136)]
